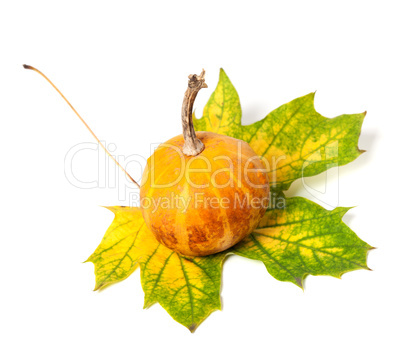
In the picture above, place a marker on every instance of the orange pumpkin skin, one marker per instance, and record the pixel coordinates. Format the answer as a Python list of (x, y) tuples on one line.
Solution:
[(204, 204)]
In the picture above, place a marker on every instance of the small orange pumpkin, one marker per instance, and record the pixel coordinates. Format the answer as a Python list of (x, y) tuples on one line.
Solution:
[(202, 192)]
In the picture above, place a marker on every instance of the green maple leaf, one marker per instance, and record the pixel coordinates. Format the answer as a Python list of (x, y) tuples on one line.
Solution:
[(293, 241)]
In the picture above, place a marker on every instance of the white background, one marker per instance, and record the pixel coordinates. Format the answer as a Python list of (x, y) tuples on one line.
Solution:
[(124, 66)]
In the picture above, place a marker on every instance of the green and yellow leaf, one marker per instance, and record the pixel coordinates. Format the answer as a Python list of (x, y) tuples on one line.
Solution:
[(188, 288), (295, 140), (304, 238), (300, 239)]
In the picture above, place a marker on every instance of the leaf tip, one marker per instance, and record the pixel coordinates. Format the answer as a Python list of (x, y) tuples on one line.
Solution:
[(222, 74), (98, 286), (339, 276), (146, 305), (192, 327), (110, 208), (311, 96), (299, 282), (342, 210)]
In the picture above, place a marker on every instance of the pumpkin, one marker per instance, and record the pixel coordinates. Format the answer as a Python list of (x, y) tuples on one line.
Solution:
[(202, 192)]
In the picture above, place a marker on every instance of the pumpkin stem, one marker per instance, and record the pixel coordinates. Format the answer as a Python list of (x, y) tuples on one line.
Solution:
[(192, 145)]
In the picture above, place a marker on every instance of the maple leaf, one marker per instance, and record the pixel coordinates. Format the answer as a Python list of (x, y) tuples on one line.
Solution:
[(292, 241)]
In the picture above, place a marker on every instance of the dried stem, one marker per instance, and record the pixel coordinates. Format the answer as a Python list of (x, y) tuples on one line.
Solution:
[(86, 125), (192, 145)]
